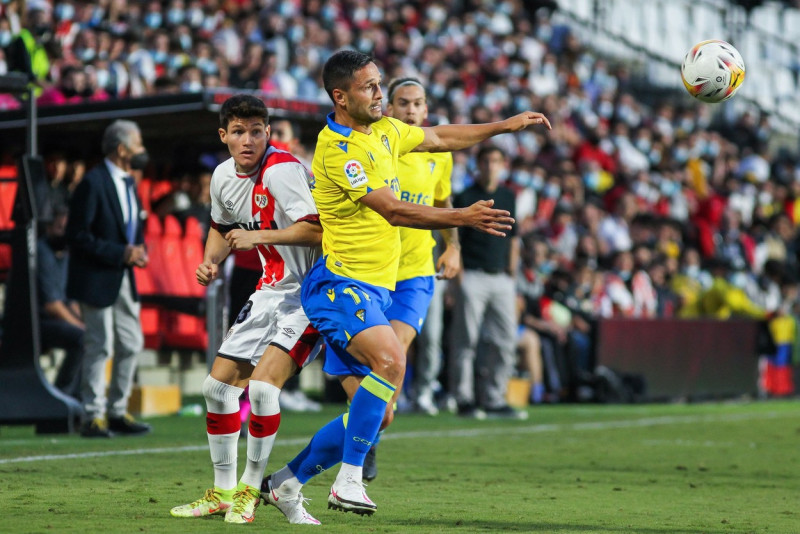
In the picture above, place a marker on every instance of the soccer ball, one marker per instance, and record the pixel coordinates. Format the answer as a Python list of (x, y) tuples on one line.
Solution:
[(712, 71)]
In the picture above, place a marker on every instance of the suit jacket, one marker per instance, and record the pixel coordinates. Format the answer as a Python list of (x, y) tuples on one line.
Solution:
[(96, 235)]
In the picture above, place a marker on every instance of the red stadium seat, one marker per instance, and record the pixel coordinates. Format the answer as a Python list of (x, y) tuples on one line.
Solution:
[(193, 253), (8, 194), (5, 261)]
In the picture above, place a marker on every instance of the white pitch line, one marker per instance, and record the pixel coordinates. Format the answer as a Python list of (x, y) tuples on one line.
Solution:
[(467, 432)]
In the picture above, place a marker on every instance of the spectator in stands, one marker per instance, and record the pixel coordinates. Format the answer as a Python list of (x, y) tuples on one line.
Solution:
[(486, 306), (60, 324), (72, 88), (105, 233)]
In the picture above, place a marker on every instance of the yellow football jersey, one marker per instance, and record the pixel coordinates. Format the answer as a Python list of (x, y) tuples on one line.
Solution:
[(424, 178), (357, 242)]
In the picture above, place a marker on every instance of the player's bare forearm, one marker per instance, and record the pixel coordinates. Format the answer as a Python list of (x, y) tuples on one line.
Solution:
[(450, 235), (301, 233), (452, 137), (217, 248), (480, 215)]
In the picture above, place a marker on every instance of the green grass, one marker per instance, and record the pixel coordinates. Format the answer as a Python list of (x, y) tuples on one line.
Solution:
[(651, 469)]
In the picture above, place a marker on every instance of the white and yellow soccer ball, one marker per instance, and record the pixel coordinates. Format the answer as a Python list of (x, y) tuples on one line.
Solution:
[(712, 71)]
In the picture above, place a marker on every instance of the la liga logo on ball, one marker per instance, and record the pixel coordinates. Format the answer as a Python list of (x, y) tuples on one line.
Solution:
[(712, 71)]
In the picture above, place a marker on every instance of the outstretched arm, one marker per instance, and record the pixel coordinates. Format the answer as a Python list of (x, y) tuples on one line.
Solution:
[(480, 215), (451, 137)]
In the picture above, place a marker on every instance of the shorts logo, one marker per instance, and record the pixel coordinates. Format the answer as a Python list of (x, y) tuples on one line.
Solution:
[(229, 204), (360, 314), (331, 294), (432, 165), (261, 201), (385, 141), (288, 331), (355, 173)]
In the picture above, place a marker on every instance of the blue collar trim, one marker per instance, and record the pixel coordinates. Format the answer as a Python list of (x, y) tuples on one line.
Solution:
[(338, 128)]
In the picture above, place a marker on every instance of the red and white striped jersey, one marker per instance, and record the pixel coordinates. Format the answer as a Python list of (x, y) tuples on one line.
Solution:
[(274, 196)]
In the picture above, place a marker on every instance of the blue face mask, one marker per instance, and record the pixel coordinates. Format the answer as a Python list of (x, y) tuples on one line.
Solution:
[(175, 16), (552, 190), (5, 38), (668, 188), (64, 11), (522, 178), (153, 19), (591, 180)]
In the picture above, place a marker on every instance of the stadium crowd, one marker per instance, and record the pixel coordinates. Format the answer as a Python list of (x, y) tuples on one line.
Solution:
[(627, 208)]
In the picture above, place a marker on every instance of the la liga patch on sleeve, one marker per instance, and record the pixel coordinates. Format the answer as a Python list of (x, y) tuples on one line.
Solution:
[(355, 173)]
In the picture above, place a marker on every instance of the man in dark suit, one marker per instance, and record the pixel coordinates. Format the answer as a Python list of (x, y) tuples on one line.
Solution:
[(106, 242)]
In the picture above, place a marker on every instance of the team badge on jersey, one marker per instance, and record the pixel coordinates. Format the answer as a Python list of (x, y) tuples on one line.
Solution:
[(385, 140), (260, 200), (355, 173)]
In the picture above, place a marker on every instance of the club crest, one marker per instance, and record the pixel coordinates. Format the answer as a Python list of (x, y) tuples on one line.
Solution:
[(261, 200), (385, 141)]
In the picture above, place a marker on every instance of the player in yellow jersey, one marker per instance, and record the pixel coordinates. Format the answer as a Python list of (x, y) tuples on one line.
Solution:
[(424, 179), (346, 293)]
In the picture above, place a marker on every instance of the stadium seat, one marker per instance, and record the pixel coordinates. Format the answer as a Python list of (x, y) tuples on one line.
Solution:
[(8, 194), (193, 253), (181, 330), (5, 261)]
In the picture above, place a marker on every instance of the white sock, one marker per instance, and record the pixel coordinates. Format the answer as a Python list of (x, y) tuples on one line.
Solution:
[(264, 421), (223, 400), (349, 470), (284, 481)]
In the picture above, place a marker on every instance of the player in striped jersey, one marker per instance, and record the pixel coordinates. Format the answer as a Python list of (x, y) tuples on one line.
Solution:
[(260, 199)]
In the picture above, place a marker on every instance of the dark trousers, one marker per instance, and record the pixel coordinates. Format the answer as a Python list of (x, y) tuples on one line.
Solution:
[(58, 334)]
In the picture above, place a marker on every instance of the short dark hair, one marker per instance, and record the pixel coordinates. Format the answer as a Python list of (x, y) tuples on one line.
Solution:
[(485, 150), (338, 71), (395, 84), (242, 107)]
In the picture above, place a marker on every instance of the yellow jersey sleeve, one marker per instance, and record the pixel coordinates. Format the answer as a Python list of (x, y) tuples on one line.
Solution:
[(424, 178), (358, 242)]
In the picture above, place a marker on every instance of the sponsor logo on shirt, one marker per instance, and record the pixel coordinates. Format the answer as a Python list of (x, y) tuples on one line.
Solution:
[(355, 173)]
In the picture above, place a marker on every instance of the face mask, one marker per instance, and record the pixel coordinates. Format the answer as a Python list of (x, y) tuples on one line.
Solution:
[(103, 77), (521, 178), (139, 161), (5, 38), (592, 180), (191, 87), (668, 188), (625, 275), (643, 144), (194, 17), (175, 16), (160, 56), (153, 20), (87, 54), (552, 190), (605, 109), (681, 155), (64, 11), (692, 271)]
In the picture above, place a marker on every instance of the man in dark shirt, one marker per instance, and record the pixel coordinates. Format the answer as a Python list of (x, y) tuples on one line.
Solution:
[(485, 311), (60, 322)]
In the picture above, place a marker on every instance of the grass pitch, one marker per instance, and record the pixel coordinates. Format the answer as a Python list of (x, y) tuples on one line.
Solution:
[(651, 469)]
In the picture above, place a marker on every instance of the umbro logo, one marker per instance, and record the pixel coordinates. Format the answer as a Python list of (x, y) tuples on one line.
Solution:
[(289, 331), (229, 204)]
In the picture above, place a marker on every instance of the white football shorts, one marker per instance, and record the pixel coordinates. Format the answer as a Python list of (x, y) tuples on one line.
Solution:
[(272, 318)]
